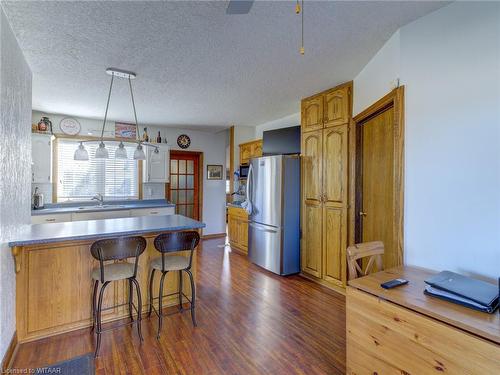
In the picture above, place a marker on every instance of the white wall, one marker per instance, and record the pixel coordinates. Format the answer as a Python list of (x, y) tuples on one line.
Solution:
[(15, 161), (212, 145), (379, 76), (449, 62), (284, 122)]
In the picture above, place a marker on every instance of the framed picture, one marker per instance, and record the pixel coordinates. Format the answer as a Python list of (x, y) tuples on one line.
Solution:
[(214, 172), (123, 130)]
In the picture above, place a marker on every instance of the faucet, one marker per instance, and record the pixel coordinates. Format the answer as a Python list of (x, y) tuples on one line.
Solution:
[(98, 197)]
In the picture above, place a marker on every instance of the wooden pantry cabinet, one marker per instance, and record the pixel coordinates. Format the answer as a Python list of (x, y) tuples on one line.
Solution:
[(250, 150), (326, 118)]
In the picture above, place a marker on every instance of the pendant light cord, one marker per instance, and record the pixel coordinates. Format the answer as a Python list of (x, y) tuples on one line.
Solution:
[(133, 106), (302, 20), (107, 106)]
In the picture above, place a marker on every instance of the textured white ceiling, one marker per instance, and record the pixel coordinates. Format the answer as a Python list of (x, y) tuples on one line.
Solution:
[(196, 65)]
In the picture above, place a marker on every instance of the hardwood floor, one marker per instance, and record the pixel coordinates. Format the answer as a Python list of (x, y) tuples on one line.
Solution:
[(249, 322)]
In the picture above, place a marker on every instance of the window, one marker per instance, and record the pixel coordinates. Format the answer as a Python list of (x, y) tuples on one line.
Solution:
[(81, 180)]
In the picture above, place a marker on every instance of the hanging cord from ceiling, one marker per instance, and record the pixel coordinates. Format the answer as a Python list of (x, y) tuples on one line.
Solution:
[(299, 9)]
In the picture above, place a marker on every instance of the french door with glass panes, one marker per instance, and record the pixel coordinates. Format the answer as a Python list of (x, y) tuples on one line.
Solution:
[(184, 183)]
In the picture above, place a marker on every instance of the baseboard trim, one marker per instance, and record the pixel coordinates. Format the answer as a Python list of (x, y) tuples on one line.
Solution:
[(211, 236), (324, 283), (9, 354)]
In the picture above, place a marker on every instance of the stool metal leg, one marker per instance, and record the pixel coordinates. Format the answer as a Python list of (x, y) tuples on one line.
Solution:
[(139, 307), (180, 290), (99, 310), (160, 300), (94, 296), (130, 299), (151, 279), (193, 296)]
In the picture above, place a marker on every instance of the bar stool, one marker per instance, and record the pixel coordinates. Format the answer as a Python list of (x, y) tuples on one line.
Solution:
[(168, 243), (116, 249)]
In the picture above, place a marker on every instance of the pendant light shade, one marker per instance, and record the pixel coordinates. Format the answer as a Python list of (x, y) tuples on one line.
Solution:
[(139, 153), (156, 155), (120, 152), (101, 152), (81, 153)]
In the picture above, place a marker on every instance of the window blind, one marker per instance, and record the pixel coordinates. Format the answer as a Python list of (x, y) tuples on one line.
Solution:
[(81, 180)]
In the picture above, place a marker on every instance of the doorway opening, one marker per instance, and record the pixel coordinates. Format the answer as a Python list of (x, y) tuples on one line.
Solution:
[(186, 187)]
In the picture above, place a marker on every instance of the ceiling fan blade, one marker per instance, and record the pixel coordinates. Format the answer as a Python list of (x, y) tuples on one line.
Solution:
[(239, 6)]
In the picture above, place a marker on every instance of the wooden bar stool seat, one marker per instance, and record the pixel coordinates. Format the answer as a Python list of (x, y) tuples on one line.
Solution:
[(116, 249), (168, 243)]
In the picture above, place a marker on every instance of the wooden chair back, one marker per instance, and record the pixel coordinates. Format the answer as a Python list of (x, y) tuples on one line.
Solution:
[(371, 250)]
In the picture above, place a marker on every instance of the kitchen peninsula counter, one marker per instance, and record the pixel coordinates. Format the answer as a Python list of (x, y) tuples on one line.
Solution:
[(53, 266)]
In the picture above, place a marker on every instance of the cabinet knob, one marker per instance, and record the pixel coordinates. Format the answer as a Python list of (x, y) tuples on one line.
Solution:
[(361, 213)]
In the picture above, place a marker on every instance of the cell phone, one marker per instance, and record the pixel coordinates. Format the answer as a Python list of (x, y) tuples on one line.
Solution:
[(393, 283)]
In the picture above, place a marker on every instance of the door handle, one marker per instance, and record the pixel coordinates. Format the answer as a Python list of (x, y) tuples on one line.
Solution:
[(361, 213)]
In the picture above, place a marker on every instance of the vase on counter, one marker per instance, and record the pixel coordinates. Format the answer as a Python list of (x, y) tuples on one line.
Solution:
[(45, 125)]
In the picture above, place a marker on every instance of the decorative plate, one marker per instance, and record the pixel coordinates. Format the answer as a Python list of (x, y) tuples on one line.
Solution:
[(70, 126), (183, 141)]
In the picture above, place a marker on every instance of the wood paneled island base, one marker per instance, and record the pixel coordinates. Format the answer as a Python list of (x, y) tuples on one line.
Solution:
[(54, 286)]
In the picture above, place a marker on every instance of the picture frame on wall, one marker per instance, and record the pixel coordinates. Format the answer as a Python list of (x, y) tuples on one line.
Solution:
[(214, 172), (124, 130)]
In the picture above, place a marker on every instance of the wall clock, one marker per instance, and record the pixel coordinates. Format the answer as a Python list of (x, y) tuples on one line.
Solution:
[(183, 141), (70, 126)]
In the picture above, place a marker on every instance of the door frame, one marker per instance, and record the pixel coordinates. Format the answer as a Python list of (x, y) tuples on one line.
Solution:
[(395, 99), (200, 179)]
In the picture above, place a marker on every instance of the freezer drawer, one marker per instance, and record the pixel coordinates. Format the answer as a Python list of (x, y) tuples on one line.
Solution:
[(264, 246)]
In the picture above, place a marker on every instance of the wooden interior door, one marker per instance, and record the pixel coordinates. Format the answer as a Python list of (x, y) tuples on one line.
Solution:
[(312, 160), (335, 185), (312, 113), (377, 183), (184, 187)]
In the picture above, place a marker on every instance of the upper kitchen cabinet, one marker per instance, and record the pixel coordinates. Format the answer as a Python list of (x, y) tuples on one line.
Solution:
[(41, 156), (250, 150), (312, 113), (336, 107), (156, 167)]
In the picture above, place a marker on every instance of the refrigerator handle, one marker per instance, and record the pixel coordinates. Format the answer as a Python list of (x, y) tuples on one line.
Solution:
[(263, 228), (248, 206)]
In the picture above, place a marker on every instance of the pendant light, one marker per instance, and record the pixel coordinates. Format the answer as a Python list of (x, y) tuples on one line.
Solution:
[(139, 153), (81, 153), (121, 153)]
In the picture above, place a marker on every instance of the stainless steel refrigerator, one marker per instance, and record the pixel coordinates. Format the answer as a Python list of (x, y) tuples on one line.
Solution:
[(273, 193)]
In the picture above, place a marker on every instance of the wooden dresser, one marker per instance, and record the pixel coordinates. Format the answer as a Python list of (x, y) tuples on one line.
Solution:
[(403, 331)]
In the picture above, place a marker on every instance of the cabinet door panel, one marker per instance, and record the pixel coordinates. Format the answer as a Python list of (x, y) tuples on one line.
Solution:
[(334, 244), (312, 114), (257, 149), (233, 229), (335, 158), (311, 239), (312, 160), (243, 233), (41, 149), (336, 107), (157, 168)]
